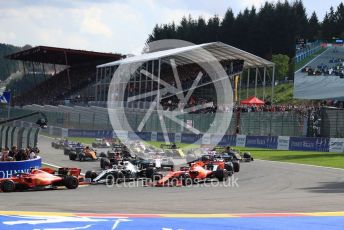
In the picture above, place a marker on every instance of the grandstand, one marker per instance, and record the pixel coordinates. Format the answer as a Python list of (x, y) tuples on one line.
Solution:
[(78, 73), (95, 117)]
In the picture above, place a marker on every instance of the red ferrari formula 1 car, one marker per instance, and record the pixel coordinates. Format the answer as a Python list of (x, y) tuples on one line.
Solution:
[(42, 178), (186, 176)]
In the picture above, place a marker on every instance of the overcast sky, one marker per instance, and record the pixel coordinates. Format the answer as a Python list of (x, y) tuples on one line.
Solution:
[(120, 26)]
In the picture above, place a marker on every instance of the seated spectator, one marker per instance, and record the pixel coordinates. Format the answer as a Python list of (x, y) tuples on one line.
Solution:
[(21, 155), (5, 155), (13, 152)]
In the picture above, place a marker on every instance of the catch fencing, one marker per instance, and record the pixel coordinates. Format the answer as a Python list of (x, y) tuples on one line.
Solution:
[(97, 118)]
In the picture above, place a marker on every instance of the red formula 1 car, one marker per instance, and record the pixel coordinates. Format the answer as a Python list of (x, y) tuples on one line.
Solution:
[(186, 176), (42, 178)]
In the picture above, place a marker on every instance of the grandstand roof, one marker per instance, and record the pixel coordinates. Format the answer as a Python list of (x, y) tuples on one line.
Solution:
[(190, 54), (54, 55)]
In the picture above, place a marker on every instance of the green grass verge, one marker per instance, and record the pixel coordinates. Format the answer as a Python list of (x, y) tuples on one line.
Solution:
[(283, 93), (327, 159), (300, 64)]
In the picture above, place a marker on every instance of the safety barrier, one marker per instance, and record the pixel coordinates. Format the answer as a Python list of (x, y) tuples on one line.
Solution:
[(320, 144), (19, 136), (9, 168)]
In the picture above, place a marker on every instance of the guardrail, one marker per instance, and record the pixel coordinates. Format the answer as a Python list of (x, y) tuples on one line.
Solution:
[(303, 55)]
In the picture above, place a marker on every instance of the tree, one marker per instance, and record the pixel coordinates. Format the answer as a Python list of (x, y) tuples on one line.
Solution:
[(313, 27), (282, 65)]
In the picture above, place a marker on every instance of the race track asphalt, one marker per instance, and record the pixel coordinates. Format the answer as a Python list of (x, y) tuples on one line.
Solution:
[(264, 187)]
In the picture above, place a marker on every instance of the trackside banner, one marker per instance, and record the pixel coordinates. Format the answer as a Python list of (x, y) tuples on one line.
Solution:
[(320, 144), (89, 133), (283, 143), (241, 140), (261, 142), (336, 145), (8, 169), (272, 142)]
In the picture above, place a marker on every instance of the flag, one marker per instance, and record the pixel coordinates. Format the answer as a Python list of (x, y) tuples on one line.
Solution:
[(5, 97)]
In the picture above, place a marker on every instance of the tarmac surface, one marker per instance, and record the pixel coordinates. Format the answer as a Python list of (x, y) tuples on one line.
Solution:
[(263, 187), (320, 87)]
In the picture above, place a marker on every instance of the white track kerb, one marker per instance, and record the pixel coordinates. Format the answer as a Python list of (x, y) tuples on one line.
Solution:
[(209, 65)]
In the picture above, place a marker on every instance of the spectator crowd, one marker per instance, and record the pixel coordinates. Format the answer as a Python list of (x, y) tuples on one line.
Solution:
[(16, 154)]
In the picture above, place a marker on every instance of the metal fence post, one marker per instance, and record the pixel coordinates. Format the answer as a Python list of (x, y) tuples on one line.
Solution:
[(79, 120), (270, 123), (282, 128)]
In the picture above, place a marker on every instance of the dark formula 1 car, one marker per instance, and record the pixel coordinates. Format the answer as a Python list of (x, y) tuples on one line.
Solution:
[(58, 144), (240, 156), (172, 150), (101, 143), (71, 146), (235, 154), (124, 171), (83, 154), (186, 176), (42, 178), (143, 159), (61, 143)]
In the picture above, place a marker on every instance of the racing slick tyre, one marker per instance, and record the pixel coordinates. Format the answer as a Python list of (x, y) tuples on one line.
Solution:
[(236, 166), (71, 182), (102, 154), (53, 145), (150, 172), (72, 156), (114, 178), (8, 186), (94, 145), (186, 180), (105, 163), (82, 157), (230, 169), (91, 175), (66, 151), (157, 176), (221, 174)]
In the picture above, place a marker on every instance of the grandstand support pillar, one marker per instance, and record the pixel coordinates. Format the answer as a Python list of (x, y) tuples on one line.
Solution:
[(248, 81), (66, 60), (273, 84), (158, 96), (54, 69), (96, 87), (240, 83), (34, 74), (45, 76), (255, 83), (24, 69), (264, 83)]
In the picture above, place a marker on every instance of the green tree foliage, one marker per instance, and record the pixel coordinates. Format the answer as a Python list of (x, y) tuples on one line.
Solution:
[(313, 27), (7, 66), (20, 84), (274, 28), (282, 65)]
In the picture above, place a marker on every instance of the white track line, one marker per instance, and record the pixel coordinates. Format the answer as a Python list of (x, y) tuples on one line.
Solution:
[(312, 60), (51, 165), (292, 163)]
